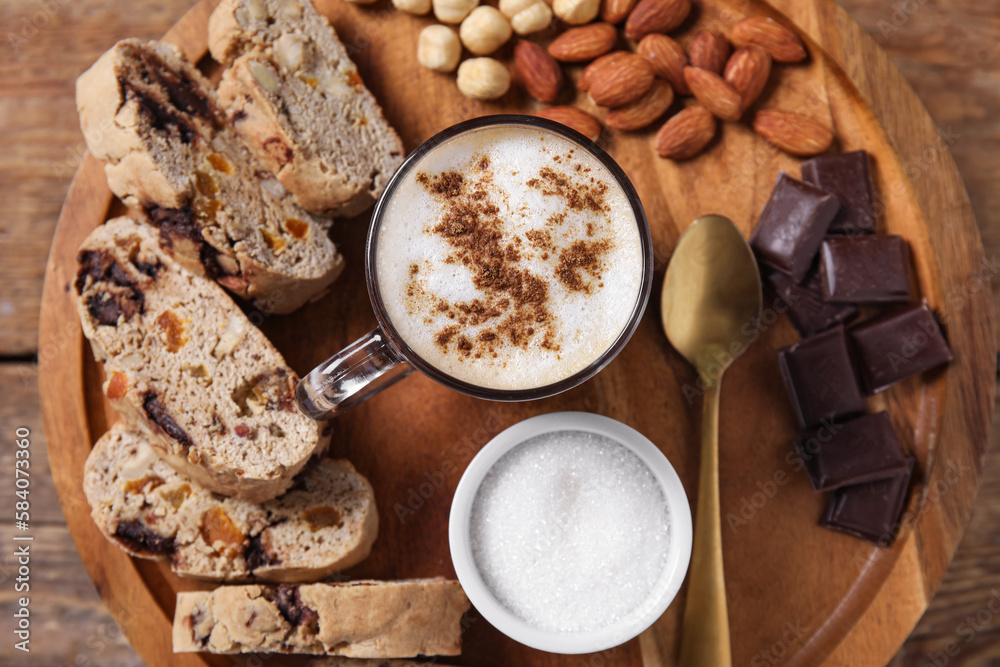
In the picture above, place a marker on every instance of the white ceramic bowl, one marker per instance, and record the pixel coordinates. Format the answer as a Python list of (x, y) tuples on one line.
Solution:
[(663, 593)]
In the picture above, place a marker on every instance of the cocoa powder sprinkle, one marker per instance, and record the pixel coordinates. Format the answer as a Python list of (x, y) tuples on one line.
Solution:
[(581, 257), (515, 301)]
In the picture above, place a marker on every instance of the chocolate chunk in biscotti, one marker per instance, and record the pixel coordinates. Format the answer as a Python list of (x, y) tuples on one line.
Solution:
[(188, 368), (327, 523), (297, 100), (170, 153)]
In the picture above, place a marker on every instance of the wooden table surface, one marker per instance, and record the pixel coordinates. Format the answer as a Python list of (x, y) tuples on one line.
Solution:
[(949, 50)]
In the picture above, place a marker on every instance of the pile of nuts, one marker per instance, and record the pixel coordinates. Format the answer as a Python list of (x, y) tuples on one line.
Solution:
[(638, 85)]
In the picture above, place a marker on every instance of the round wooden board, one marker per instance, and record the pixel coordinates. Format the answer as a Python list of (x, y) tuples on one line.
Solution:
[(798, 594)]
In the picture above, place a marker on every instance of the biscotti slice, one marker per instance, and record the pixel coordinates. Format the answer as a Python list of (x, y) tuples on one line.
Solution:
[(187, 367), (357, 619), (168, 151), (297, 100), (326, 522)]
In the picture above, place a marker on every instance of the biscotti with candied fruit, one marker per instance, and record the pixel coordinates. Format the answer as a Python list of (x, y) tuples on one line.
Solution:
[(325, 523), (356, 619), (185, 366), (169, 152), (298, 102)]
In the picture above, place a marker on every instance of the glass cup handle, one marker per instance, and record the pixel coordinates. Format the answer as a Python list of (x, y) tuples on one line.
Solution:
[(356, 373)]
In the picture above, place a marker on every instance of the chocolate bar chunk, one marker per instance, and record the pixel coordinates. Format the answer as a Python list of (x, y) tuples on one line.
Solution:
[(805, 306), (897, 345), (862, 450), (819, 377), (792, 226), (869, 511), (847, 176), (865, 269)]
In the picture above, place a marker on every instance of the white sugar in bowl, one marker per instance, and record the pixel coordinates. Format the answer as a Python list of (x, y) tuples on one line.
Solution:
[(570, 532)]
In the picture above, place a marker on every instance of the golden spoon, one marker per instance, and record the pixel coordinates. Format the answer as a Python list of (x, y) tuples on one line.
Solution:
[(710, 307)]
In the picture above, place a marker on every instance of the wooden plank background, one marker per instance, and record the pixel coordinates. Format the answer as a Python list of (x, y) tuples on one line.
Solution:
[(949, 50)]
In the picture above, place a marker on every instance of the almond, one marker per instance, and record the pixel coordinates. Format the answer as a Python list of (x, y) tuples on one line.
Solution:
[(793, 133), (574, 118), (585, 43), (686, 134), (538, 72), (668, 60), (709, 50), (618, 78), (747, 72), (714, 93), (651, 16), (781, 44), (616, 11), (643, 111), (604, 61)]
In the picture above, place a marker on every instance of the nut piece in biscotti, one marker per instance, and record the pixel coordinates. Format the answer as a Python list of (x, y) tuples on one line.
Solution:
[(298, 102), (326, 522), (157, 125), (189, 369), (356, 619)]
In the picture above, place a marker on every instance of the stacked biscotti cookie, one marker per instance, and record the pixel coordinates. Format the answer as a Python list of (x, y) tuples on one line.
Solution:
[(169, 152), (213, 468), (187, 368), (326, 522), (359, 619), (296, 99), (207, 410)]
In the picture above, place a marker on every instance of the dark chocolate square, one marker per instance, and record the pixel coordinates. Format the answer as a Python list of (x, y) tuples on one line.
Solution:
[(865, 269), (847, 176), (805, 306), (819, 377), (861, 450), (897, 345), (792, 226), (869, 511)]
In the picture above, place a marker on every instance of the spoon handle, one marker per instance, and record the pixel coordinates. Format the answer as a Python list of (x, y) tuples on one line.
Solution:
[(705, 635)]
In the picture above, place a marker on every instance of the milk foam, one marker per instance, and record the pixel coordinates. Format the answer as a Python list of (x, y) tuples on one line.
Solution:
[(415, 273)]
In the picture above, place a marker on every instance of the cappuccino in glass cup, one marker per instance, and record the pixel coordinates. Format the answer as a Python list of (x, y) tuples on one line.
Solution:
[(508, 258)]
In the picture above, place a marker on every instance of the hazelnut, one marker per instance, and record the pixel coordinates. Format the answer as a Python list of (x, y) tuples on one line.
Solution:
[(535, 18), (484, 30), (257, 9), (511, 8), (576, 12), (290, 9), (418, 7), (483, 78), (438, 48), (289, 51), (453, 11)]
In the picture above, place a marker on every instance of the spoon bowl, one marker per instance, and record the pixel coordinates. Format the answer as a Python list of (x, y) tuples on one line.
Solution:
[(711, 306), (711, 294)]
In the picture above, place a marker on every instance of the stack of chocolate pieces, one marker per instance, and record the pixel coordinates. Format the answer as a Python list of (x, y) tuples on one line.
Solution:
[(823, 260)]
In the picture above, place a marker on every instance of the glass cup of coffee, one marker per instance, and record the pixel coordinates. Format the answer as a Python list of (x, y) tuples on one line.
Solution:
[(509, 258)]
